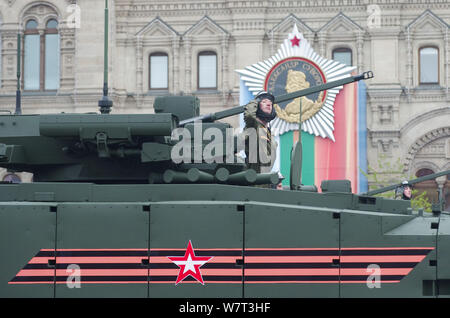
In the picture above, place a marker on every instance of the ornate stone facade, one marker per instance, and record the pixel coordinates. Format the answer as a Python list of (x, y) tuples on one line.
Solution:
[(405, 119)]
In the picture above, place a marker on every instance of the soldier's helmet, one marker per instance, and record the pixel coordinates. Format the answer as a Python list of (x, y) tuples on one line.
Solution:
[(259, 113)]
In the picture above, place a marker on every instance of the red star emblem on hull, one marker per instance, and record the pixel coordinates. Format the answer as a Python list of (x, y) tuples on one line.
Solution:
[(189, 264), (295, 41)]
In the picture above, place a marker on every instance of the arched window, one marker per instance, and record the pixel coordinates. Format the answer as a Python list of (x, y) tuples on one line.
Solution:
[(423, 172), (158, 71), (51, 55), (343, 55), (41, 56), (207, 70), (428, 65), (32, 56)]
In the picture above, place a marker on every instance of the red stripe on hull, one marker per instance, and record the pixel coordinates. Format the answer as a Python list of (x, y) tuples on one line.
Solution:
[(291, 271), (376, 259), (386, 248), (215, 259), (215, 273), (290, 259)]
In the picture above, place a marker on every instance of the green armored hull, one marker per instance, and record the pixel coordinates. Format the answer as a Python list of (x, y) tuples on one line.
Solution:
[(261, 243)]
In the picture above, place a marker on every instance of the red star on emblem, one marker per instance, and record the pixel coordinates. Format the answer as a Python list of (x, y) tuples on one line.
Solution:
[(295, 41), (189, 264)]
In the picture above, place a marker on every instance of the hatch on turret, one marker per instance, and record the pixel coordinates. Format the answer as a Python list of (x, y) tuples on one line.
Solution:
[(336, 186), (183, 107)]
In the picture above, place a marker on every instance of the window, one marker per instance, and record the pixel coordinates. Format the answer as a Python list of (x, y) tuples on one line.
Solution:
[(41, 56), (428, 65), (159, 69), (51, 55), (207, 70), (343, 55), (423, 172), (31, 67)]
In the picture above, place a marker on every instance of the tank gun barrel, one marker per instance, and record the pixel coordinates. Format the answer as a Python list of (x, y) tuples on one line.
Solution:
[(411, 182), (318, 88), (278, 99), (214, 116)]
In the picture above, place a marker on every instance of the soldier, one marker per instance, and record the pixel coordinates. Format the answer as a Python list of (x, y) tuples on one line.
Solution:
[(257, 116), (404, 191)]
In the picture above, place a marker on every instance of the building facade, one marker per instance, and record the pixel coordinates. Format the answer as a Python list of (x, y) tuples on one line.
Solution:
[(194, 47)]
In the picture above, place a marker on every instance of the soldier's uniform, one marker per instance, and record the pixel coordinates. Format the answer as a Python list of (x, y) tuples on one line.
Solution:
[(266, 145)]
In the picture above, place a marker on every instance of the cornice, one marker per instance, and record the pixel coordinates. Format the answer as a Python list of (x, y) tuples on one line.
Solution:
[(178, 8), (340, 19), (157, 23), (205, 21), (428, 15), (288, 21), (385, 32), (380, 133)]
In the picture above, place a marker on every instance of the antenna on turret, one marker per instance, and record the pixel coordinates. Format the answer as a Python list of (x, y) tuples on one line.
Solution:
[(105, 103), (18, 96)]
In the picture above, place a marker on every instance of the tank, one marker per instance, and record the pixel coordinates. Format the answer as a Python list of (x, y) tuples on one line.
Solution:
[(110, 214)]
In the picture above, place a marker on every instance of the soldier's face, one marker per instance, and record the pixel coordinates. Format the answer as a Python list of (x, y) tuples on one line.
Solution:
[(266, 106), (407, 192)]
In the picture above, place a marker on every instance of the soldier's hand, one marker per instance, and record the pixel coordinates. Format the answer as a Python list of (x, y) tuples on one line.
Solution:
[(250, 114), (251, 107)]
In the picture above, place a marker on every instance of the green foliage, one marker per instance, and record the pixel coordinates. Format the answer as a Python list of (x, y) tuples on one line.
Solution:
[(387, 173), (420, 201)]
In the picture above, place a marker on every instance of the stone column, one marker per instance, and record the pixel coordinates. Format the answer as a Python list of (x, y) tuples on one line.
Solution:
[(176, 67), (139, 71), (67, 62), (447, 62), (9, 60), (360, 51), (224, 47), (188, 66), (272, 44), (322, 46), (409, 64)]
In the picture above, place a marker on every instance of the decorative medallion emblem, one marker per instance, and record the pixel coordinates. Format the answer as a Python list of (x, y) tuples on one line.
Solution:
[(295, 67)]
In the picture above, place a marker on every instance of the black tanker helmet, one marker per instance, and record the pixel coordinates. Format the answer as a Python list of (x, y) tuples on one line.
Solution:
[(259, 113)]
